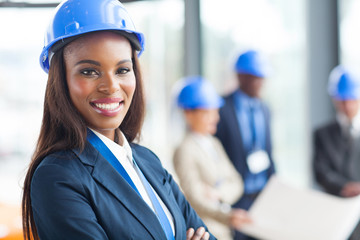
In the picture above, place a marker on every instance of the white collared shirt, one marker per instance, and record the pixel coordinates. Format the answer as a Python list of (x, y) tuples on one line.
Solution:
[(124, 156), (353, 124)]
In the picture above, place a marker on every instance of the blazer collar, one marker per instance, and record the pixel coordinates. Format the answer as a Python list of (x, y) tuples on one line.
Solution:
[(107, 176)]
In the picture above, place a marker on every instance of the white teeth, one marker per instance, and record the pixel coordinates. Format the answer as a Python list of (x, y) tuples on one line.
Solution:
[(107, 106)]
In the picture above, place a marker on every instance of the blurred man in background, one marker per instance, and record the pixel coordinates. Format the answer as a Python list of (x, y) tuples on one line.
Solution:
[(336, 160), (244, 128), (337, 144)]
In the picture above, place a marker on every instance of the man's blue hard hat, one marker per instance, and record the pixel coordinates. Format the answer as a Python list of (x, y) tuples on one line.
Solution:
[(198, 93), (253, 63), (343, 84), (73, 18)]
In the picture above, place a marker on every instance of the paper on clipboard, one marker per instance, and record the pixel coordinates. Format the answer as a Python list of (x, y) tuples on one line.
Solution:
[(282, 212)]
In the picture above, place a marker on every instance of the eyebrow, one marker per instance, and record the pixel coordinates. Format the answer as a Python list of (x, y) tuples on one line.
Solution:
[(98, 64), (88, 61)]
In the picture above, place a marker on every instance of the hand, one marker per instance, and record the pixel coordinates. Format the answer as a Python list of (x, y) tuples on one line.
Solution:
[(350, 189), (239, 217), (200, 234)]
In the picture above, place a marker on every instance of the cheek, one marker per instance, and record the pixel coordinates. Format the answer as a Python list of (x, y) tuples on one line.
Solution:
[(79, 90), (129, 87), (354, 109), (356, 106), (258, 84)]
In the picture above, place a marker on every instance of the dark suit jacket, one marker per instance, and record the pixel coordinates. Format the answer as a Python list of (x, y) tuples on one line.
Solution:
[(331, 149), (81, 196), (229, 133)]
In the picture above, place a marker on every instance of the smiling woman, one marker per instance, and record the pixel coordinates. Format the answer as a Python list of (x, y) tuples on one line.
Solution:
[(86, 175), (101, 81)]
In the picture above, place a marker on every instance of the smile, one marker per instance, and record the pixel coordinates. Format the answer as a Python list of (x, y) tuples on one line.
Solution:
[(108, 107)]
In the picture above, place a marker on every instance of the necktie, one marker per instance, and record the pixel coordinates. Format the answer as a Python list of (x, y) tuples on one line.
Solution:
[(156, 204), (252, 125)]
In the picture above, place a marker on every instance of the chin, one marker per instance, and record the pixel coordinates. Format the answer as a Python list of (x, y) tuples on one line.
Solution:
[(212, 131)]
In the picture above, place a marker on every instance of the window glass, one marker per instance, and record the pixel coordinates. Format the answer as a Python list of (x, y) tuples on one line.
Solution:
[(349, 20), (162, 65), (22, 85), (23, 82), (277, 28)]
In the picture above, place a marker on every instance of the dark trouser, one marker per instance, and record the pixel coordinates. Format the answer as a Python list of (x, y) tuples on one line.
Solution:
[(245, 203), (241, 236)]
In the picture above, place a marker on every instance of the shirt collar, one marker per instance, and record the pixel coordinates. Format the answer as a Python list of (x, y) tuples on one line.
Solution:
[(245, 99), (353, 124), (111, 144)]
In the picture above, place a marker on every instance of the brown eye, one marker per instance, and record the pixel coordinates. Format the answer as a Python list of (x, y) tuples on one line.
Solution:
[(123, 70), (89, 72)]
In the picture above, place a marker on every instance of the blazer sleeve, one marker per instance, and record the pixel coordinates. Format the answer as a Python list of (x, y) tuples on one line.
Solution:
[(233, 186), (194, 187), (326, 175), (60, 207)]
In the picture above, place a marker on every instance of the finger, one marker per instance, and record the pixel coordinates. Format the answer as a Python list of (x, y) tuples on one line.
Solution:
[(189, 233), (206, 236), (198, 234)]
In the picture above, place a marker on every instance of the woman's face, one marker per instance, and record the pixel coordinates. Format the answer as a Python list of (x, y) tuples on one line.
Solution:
[(101, 80), (203, 121)]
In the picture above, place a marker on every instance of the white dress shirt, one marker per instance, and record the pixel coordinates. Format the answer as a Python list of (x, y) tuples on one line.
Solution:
[(352, 125), (124, 156)]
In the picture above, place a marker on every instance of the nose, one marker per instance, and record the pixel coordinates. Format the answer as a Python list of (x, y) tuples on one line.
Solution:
[(109, 84)]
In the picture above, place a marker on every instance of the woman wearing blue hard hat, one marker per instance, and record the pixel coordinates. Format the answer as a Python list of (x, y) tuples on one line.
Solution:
[(209, 180), (87, 179), (336, 146)]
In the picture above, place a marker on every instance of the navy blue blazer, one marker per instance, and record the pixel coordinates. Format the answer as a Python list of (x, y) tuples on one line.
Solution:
[(229, 133), (79, 195)]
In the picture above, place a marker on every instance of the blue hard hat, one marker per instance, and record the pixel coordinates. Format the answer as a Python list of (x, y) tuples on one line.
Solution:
[(75, 17), (253, 63), (343, 84), (198, 93)]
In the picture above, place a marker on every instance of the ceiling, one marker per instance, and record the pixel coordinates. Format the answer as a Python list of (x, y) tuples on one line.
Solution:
[(36, 3)]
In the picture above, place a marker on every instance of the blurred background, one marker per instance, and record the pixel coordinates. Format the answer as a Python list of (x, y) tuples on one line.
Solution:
[(303, 39)]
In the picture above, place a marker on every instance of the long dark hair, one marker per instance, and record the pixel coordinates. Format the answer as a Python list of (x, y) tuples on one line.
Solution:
[(64, 128)]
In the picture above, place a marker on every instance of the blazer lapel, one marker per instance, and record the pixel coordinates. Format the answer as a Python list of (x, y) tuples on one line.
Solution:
[(234, 119), (157, 180), (107, 176)]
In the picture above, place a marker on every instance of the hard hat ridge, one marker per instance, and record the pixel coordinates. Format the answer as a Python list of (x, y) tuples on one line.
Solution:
[(253, 63), (343, 84), (74, 18)]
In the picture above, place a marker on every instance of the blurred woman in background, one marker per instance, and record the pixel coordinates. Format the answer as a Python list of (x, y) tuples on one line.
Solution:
[(209, 180)]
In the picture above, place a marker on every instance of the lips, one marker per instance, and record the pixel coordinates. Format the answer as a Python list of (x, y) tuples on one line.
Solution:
[(108, 106)]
